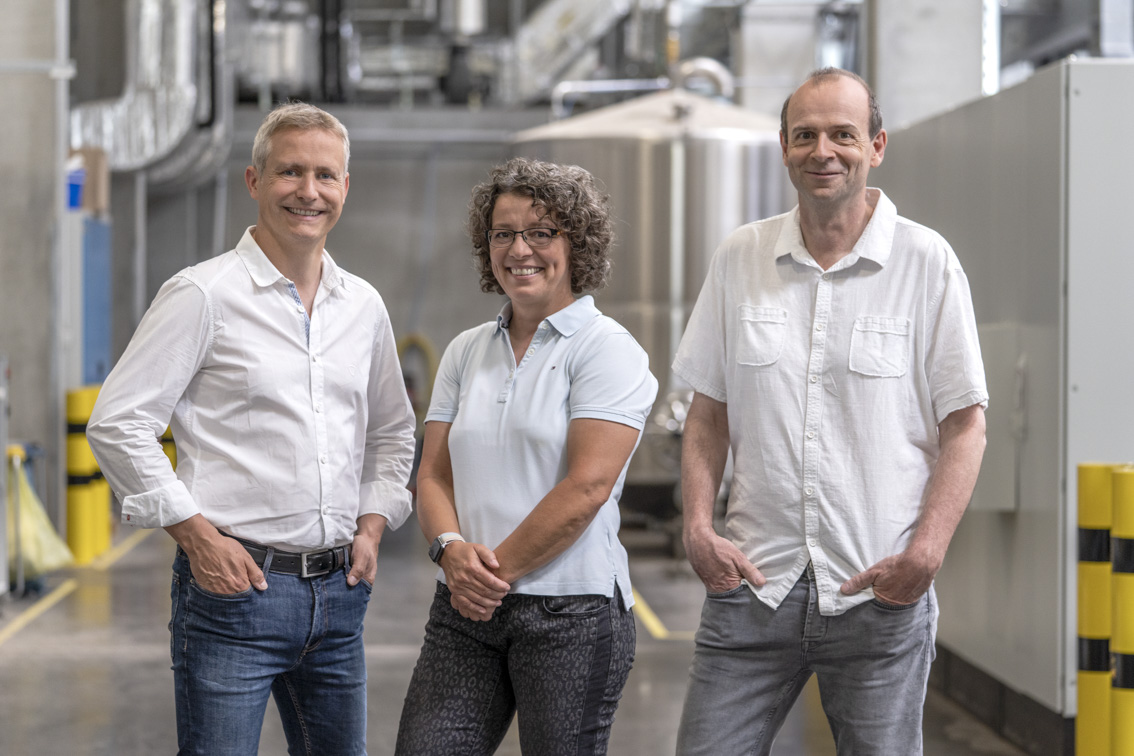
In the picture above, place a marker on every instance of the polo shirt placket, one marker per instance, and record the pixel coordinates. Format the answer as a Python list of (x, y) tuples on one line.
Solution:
[(513, 372)]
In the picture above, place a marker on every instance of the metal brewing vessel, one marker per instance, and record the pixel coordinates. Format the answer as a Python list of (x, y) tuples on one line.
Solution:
[(683, 171)]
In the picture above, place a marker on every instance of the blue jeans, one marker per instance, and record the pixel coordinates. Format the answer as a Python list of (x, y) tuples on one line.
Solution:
[(752, 661), (560, 661), (300, 640)]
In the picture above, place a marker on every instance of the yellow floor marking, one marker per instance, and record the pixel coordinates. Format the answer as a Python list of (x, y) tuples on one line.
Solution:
[(68, 586), (108, 558), (653, 625), (26, 617)]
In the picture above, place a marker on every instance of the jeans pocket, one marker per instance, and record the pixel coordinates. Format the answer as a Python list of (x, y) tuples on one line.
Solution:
[(886, 606), (577, 606), (880, 347), (760, 335), (221, 596), (729, 593)]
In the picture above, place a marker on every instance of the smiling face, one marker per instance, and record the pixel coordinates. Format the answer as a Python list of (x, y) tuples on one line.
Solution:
[(827, 149), (538, 281), (300, 191)]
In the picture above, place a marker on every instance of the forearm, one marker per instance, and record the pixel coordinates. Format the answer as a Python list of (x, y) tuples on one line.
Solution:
[(371, 526), (556, 522), (436, 508), (597, 452), (962, 442), (704, 451), (195, 534)]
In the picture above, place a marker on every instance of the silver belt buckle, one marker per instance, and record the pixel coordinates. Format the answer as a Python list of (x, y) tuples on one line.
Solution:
[(303, 573)]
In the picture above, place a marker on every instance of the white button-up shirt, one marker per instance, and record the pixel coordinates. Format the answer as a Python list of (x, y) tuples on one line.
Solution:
[(287, 428), (836, 382), (508, 443)]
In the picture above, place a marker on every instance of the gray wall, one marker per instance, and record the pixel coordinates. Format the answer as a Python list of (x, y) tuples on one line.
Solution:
[(1021, 184), (27, 162)]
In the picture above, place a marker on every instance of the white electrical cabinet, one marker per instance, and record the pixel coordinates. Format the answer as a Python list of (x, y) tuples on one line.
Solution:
[(1033, 190)]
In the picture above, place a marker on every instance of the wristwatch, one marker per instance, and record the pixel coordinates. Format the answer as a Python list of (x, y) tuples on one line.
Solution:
[(437, 548)]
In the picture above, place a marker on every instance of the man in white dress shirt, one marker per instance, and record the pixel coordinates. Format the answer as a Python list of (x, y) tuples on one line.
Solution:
[(278, 374), (834, 349)]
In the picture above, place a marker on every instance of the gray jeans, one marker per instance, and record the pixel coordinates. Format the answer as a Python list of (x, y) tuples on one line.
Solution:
[(752, 661), (560, 661)]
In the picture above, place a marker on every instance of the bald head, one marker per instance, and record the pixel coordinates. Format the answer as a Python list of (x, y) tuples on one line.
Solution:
[(823, 75)]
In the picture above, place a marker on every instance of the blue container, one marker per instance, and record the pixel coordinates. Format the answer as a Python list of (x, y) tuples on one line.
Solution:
[(76, 177)]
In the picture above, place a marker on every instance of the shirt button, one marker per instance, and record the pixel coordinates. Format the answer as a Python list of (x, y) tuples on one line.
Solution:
[(318, 408), (299, 308), (813, 378), (314, 358), (819, 327), (826, 276), (811, 542), (323, 460), (811, 434), (531, 351), (809, 491)]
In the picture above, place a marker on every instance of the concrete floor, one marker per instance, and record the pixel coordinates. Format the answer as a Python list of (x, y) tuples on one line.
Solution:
[(85, 669)]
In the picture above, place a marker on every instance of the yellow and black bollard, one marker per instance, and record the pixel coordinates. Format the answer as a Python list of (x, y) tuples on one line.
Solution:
[(1122, 635), (1092, 726), (169, 447), (88, 493)]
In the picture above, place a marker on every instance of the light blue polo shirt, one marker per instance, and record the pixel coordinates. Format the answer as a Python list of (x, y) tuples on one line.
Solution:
[(508, 443)]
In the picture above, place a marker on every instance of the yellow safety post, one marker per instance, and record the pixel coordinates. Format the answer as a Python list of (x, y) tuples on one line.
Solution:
[(1092, 724), (169, 447), (1122, 635), (88, 494)]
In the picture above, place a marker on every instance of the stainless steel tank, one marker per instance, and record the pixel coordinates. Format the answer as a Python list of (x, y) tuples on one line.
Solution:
[(683, 171)]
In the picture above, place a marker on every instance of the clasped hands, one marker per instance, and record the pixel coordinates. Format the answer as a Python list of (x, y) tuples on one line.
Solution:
[(470, 573)]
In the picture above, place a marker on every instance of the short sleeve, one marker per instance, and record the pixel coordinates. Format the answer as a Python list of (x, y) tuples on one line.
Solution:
[(954, 367), (700, 359), (445, 399), (612, 381)]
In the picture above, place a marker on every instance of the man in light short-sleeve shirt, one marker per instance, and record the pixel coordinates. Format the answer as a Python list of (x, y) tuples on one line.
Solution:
[(834, 350)]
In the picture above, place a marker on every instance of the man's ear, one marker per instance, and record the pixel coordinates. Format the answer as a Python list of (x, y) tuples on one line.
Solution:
[(252, 180), (879, 145)]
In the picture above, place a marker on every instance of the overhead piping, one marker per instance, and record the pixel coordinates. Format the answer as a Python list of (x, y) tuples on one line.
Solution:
[(174, 116)]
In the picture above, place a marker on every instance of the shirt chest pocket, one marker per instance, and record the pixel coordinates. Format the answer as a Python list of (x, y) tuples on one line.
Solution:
[(880, 347), (760, 338)]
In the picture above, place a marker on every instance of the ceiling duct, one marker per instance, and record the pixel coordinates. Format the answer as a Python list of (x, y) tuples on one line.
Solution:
[(556, 35), (175, 100)]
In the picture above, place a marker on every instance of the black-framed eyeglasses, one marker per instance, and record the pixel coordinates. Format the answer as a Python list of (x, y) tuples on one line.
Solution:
[(536, 238)]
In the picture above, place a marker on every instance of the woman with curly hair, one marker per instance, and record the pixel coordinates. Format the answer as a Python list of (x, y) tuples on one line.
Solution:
[(531, 426)]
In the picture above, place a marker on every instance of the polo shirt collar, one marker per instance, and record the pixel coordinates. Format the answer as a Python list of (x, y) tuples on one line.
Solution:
[(567, 321), (876, 242), (265, 274)]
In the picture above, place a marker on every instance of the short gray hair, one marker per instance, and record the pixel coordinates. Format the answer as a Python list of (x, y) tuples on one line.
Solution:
[(295, 115)]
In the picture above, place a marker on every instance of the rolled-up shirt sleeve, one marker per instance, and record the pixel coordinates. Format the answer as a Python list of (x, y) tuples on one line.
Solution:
[(388, 458), (136, 402)]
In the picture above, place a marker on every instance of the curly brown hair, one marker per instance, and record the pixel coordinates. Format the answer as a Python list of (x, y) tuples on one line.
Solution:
[(573, 202)]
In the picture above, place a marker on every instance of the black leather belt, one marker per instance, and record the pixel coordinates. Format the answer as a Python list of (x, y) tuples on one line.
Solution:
[(305, 564)]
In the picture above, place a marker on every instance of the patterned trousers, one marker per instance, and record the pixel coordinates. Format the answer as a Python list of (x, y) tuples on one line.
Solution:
[(560, 662)]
